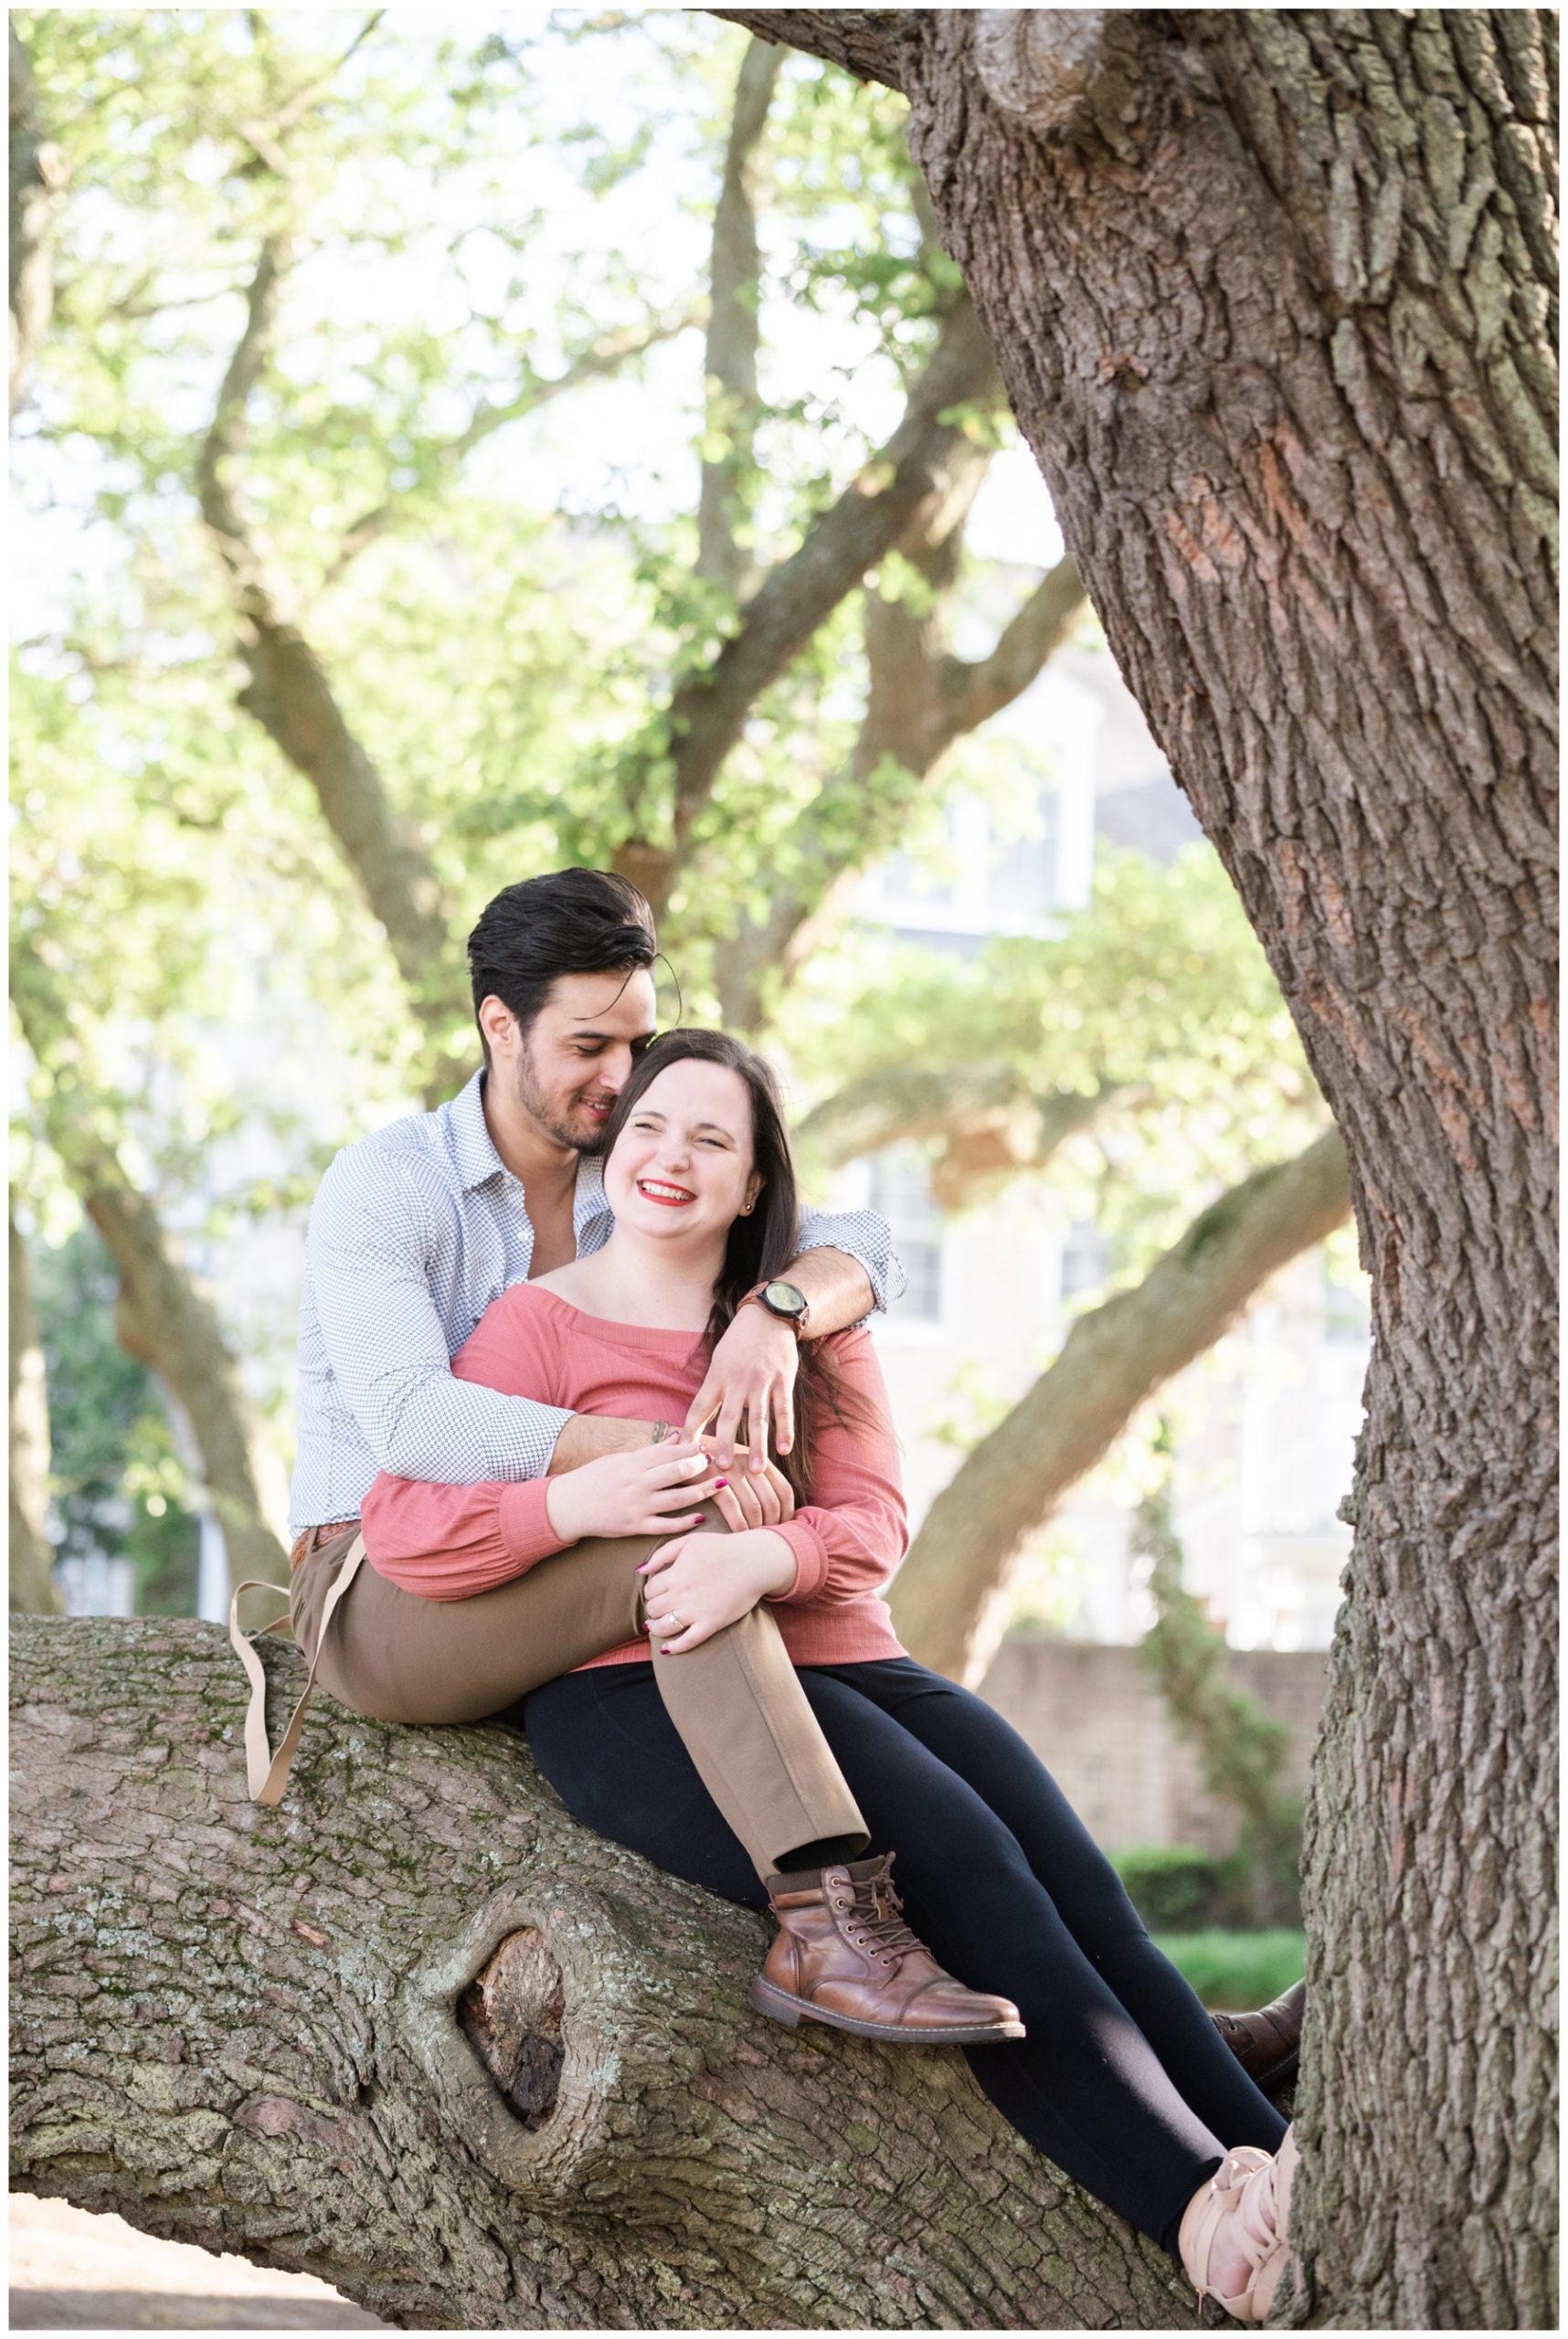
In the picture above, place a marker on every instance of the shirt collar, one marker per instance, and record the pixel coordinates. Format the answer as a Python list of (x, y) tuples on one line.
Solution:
[(473, 1151), (473, 1148), (587, 1196)]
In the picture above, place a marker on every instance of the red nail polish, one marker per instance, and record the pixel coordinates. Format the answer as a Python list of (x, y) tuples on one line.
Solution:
[(720, 1482), (663, 1648)]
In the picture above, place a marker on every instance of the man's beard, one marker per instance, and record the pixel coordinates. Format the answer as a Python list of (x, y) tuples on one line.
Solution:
[(531, 1096)]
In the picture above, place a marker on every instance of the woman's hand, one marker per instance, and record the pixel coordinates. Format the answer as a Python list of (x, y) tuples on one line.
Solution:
[(699, 1583), (753, 1498), (646, 1492)]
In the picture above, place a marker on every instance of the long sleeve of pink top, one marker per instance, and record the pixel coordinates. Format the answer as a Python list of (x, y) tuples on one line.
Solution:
[(449, 1542)]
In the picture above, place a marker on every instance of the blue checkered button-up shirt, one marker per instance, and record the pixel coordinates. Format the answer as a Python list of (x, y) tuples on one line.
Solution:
[(413, 1233)]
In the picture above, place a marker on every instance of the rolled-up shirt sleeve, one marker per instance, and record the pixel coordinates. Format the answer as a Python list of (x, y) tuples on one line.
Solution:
[(365, 1251), (849, 1537), (861, 1235)]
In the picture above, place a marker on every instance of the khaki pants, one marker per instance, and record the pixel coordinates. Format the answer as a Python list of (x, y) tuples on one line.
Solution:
[(735, 1700)]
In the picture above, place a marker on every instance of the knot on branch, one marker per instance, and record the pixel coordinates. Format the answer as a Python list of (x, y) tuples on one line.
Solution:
[(1040, 64), (515, 2037), (513, 2014)]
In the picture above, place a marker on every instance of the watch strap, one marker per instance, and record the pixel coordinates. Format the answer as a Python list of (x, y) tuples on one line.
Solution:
[(797, 1323)]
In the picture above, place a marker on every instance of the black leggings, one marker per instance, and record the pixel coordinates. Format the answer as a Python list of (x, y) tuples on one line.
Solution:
[(1123, 2081)]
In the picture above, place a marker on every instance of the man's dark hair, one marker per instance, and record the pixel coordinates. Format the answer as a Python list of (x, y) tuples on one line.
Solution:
[(572, 922)]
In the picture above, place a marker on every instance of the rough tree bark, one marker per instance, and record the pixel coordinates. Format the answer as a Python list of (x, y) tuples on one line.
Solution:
[(33, 1589), (1273, 296), (246, 2028), (949, 1598)]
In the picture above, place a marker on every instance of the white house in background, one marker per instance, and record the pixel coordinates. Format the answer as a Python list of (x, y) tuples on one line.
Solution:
[(1273, 1412)]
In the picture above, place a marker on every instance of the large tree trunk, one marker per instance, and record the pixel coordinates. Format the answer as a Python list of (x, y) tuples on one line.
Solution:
[(1273, 296), (33, 1589), (245, 2029)]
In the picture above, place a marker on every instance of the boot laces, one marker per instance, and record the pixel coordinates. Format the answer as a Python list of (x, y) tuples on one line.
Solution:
[(878, 1913)]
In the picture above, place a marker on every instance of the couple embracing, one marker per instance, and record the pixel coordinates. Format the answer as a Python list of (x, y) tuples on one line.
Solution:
[(533, 1326)]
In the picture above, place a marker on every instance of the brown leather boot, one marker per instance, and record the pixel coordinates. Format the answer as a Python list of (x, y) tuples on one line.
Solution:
[(844, 1957), (1267, 2045)]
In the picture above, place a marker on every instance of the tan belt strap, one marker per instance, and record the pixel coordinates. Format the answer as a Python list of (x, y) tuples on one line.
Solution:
[(266, 1774)]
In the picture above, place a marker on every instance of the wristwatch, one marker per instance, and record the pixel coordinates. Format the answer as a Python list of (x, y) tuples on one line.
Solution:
[(784, 1300)]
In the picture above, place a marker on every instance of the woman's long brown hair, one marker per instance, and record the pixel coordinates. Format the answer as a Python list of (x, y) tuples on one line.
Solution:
[(762, 1243)]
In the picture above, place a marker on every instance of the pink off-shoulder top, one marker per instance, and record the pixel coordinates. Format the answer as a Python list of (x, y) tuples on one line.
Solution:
[(446, 1543)]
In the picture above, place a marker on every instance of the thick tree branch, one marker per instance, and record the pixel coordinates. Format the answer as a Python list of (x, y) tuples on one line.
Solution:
[(420, 2033), (975, 689), (947, 1598), (874, 43), (37, 171), (708, 714), (920, 702), (162, 1314), (734, 333), (290, 696), (33, 1589), (993, 1124)]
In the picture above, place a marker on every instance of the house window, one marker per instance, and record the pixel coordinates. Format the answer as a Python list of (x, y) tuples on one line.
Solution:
[(1022, 886), (976, 883), (1085, 1258), (899, 1187)]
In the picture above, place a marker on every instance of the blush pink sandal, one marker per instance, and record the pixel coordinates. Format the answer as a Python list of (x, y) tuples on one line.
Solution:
[(1251, 2193)]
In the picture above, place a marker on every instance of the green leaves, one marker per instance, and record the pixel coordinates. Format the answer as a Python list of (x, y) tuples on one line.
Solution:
[(495, 576)]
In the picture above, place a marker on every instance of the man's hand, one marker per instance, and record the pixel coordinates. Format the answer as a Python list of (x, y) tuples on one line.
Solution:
[(699, 1583), (752, 1372), (751, 1498)]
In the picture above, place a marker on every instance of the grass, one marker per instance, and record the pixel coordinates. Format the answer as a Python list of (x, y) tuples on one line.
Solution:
[(1237, 1970)]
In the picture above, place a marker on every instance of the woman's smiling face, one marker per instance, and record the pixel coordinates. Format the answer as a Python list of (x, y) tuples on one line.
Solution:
[(684, 1163)]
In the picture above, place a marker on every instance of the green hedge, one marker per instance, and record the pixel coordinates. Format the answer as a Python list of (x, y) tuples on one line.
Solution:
[(1237, 1971), (1176, 1890)]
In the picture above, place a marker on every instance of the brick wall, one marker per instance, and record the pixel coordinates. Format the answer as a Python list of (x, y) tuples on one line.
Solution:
[(1089, 1714)]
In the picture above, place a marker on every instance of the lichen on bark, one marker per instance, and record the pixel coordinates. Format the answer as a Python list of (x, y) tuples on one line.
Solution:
[(281, 2033)]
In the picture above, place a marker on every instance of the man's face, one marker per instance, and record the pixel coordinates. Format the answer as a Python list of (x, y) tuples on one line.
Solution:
[(566, 1071)]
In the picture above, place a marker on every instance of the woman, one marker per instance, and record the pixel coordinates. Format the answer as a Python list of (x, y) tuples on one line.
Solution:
[(1120, 2079)]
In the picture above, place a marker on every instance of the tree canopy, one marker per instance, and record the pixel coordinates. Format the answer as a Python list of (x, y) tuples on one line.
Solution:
[(455, 453)]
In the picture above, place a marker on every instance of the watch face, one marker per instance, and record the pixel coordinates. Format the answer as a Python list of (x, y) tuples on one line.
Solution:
[(785, 1299)]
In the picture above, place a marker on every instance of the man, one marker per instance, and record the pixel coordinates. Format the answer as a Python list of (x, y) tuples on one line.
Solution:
[(416, 1228)]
